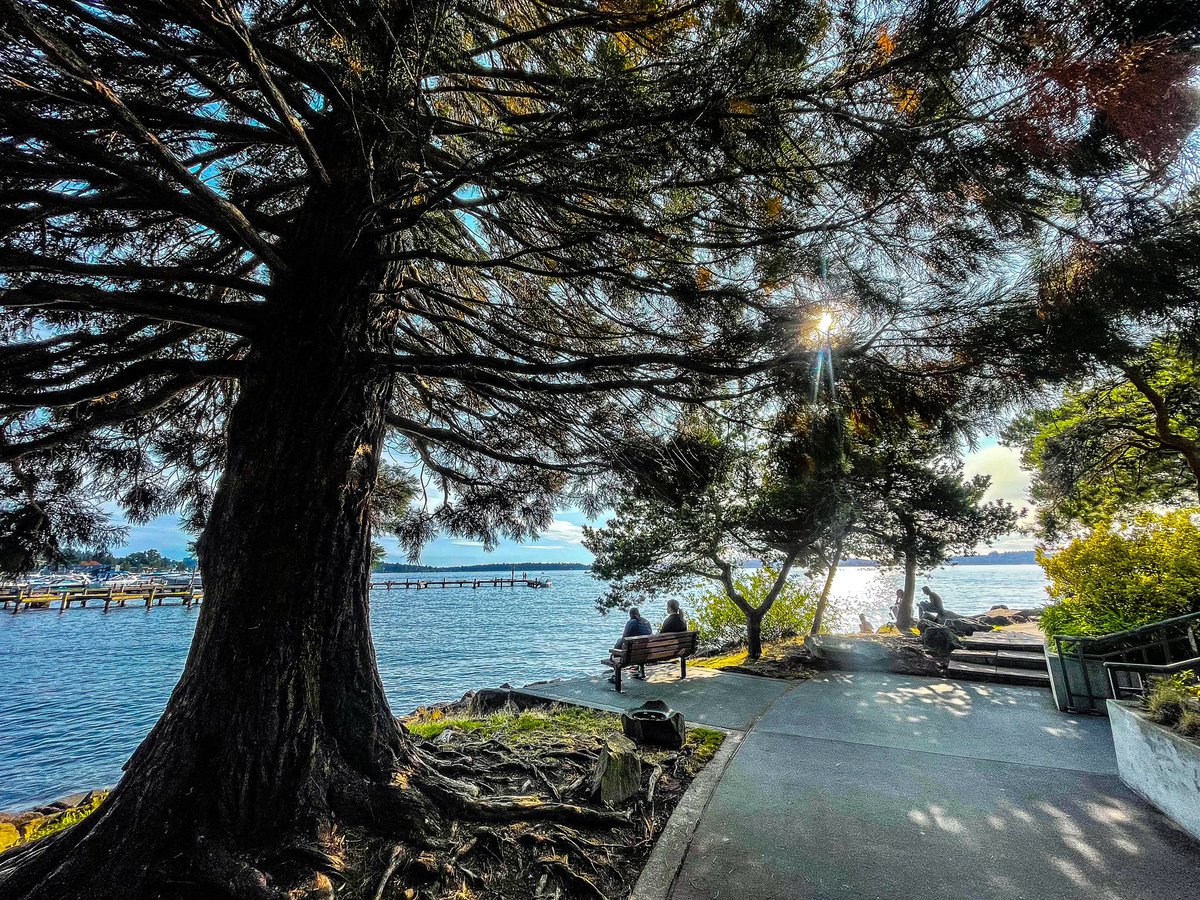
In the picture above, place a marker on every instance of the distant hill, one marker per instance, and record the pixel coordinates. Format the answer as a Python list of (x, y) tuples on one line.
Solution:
[(994, 558), (486, 567)]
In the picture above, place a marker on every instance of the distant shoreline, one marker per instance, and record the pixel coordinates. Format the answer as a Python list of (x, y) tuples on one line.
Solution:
[(995, 558)]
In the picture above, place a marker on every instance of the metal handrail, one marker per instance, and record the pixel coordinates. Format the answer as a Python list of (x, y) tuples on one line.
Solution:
[(1131, 632), (1086, 647), (1139, 669)]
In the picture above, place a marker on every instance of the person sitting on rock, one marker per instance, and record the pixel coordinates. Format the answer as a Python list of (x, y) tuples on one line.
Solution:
[(864, 625), (931, 608), (674, 621), (637, 626)]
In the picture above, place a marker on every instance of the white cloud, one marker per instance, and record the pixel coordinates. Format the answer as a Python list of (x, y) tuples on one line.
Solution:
[(1009, 481), (545, 547), (467, 543), (566, 532)]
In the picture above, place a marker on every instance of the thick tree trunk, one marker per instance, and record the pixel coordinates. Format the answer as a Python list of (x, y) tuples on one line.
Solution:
[(754, 634), (280, 714), (904, 616)]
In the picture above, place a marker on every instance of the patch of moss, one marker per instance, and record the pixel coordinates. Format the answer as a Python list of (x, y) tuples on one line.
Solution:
[(44, 826), (720, 662), (704, 743), (524, 727)]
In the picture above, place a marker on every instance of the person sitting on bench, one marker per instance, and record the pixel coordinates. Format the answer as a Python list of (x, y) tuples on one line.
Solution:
[(674, 620), (635, 627)]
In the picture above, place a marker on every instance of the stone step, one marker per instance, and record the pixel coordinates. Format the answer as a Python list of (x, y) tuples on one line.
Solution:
[(986, 641), (969, 671), (1013, 659)]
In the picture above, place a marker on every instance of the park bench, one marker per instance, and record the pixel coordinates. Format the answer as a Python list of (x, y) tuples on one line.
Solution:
[(652, 648)]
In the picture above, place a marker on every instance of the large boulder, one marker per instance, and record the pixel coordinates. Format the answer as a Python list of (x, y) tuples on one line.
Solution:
[(939, 642), (654, 723), (618, 772)]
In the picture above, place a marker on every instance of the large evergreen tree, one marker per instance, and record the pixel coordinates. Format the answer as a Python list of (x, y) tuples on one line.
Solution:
[(248, 247)]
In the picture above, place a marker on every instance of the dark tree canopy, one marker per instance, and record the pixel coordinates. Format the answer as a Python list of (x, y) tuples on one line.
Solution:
[(250, 250), (1116, 444)]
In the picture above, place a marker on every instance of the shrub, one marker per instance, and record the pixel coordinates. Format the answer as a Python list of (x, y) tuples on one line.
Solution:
[(719, 621), (1175, 703), (1119, 578)]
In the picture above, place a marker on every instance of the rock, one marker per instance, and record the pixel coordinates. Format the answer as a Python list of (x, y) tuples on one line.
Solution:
[(31, 826), (618, 772), (9, 835), (654, 723), (996, 620), (489, 700), (851, 654), (965, 626), (939, 642)]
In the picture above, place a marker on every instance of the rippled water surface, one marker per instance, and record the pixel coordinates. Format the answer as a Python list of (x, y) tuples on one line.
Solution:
[(79, 690)]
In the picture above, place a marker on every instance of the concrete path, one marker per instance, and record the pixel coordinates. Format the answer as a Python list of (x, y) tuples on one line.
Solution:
[(882, 786), (706, 697)]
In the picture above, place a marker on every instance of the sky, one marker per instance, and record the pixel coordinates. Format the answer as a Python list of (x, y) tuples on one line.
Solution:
[(562, 541)]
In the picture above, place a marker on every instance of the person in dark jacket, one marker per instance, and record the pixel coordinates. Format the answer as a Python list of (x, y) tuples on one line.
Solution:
[(635, 627), (674, 620)]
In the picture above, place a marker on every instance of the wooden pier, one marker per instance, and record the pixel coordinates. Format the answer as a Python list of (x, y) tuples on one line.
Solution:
[(63, 599), (417, 584), (16, 600)]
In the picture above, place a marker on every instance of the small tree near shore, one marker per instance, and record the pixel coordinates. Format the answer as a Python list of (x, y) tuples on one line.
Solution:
[(914, 507), (704, 502)]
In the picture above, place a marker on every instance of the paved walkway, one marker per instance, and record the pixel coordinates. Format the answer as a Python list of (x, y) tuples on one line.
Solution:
[(882, 786), (706, 697)]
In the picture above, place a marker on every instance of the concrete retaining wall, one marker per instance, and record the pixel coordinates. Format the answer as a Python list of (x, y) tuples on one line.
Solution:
[(1162, 766)]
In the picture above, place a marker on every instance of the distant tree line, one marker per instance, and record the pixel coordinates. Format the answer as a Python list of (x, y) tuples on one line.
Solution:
[(138, 561)]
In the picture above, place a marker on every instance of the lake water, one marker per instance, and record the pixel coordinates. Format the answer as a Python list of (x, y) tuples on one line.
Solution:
[(80, 690)]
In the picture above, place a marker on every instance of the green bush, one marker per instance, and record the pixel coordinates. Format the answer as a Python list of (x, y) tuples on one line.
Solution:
[(719, 620), (1175, 703), (1119, 578)]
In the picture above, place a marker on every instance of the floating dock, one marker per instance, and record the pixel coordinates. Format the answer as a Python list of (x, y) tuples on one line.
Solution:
[(423, 583), (63, 599)]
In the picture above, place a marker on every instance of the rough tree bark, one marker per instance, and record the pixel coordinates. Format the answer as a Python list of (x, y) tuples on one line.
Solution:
[(755, 614), (279, 725), (904, 615), (819, 615)]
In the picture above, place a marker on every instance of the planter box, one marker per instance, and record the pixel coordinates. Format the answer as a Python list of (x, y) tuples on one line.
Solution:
[(1097, 680), (1159, 764)]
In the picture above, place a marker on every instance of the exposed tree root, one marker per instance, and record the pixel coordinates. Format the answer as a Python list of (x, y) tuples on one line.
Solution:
[(437, 828)]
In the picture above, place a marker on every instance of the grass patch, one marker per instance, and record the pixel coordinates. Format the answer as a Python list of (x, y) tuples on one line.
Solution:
[(720, 662), (704, 744), (530, 726), (38, 827)]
